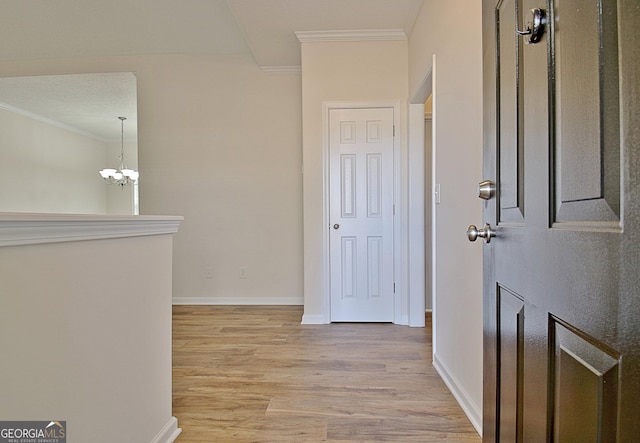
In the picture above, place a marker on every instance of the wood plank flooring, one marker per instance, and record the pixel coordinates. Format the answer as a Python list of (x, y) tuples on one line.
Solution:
[(255, 374)]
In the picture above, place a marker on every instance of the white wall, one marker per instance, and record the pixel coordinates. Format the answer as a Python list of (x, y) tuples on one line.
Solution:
[(219, 142), (85, 327), (452, 31), (339, 71), (44, 168), (48, 169)]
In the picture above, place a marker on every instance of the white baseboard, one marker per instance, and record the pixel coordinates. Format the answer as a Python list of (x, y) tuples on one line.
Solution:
[(470, 408), (168, 433), (230, 301), (313, 319)]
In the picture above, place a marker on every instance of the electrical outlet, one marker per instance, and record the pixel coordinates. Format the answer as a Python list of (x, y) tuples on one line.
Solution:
[(208, 272), (243, 272)]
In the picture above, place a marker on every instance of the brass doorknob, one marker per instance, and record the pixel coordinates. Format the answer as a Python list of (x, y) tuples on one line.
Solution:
[(473, 233)]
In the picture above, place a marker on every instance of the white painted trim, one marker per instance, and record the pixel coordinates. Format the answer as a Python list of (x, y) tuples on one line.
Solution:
[(351, 35), (313, 320), (470, 408), (416, 216), (434, 231), (401, 226), (169, 432), (28, 229), (230, 301), (281, 69), (400, 250)]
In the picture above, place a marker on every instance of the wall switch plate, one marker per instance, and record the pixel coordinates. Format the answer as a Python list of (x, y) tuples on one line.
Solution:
[(208, 272), (243, 272)]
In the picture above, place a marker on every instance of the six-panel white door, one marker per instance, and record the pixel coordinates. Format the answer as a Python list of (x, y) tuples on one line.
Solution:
[(361, 214)]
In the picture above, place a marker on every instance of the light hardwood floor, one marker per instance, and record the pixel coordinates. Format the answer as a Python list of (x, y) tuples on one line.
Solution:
[(255, 374)]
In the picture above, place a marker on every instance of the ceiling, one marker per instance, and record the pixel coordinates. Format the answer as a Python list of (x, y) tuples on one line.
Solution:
[(265, 29), (86, 103), (269, 26)]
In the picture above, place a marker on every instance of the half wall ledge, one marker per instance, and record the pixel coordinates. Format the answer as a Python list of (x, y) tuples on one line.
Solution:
[(30, 228)]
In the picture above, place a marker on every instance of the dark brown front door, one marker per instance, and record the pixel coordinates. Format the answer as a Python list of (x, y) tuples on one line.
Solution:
[(562, 275)]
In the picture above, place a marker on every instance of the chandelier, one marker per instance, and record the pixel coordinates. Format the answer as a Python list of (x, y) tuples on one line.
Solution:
[(122, 176)]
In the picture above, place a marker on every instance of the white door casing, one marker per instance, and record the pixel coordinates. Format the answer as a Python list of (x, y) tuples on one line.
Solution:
[(361, 214)]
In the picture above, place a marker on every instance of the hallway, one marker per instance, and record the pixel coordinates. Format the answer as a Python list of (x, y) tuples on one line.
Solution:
[(254, 374)]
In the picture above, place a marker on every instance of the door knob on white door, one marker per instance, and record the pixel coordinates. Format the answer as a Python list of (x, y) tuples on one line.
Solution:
[(473, 233), (336, 226)]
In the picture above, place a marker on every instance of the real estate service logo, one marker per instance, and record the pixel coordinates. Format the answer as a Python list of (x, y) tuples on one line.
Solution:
[(33, 432)]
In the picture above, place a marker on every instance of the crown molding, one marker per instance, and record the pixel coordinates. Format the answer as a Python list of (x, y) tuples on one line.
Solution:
[(351, 36)]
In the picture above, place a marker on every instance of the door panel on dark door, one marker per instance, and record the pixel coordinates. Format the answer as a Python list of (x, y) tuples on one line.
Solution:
[(510, 357), (585, 388), (584, 112), (509, 143), (561, 303)]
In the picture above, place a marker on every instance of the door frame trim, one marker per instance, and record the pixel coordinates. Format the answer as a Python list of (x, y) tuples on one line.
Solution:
[(400, 302)]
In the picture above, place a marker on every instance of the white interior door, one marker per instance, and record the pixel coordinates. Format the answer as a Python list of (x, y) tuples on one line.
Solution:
[(361, 214)]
